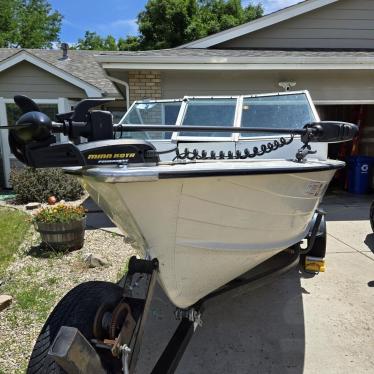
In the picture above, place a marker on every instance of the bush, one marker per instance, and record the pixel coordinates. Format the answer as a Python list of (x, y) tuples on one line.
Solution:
[(36, 185)]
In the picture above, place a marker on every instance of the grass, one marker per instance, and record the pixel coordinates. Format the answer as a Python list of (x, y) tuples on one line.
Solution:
[(37, 278), (33, 302), (13, 229), (32, 298)]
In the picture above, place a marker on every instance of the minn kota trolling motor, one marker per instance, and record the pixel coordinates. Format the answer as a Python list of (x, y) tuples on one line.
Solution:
[(33, 142)]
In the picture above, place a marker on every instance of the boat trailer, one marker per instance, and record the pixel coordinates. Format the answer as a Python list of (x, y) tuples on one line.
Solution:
[(119, 329)]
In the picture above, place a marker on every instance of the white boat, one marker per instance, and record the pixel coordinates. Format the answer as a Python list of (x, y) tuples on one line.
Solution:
[(209, 221), (207, 189)]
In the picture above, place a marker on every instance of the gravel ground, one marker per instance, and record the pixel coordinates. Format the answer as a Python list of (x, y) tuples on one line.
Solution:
[(37, 282)]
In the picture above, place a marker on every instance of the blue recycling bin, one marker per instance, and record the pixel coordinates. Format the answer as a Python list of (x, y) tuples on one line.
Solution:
[(359, 174)]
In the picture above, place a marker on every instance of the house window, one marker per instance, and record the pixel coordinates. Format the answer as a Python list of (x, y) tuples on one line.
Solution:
[(13, 113)]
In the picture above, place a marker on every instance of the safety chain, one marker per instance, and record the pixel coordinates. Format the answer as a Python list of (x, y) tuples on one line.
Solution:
[(238, 155)]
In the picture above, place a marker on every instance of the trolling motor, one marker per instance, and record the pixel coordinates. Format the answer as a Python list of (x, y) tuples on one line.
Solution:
[(33, 142)]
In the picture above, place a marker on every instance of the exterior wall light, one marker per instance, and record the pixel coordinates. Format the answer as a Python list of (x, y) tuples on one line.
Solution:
[(287, 85)]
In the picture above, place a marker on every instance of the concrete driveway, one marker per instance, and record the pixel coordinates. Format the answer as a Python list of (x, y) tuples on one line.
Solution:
[(297, 324)]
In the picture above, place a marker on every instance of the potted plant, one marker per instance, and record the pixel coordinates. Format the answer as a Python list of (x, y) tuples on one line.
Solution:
[(61, 226)]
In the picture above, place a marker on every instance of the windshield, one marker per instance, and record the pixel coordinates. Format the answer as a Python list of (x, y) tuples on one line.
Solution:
[(285, 110), (209, 112), (280, 111), (152, 113)]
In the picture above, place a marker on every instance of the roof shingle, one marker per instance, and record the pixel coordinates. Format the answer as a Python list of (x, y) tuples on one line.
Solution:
[(80, 64), (202, 52)]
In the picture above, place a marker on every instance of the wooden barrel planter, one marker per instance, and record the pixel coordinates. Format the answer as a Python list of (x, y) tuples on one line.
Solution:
[(62, 236)]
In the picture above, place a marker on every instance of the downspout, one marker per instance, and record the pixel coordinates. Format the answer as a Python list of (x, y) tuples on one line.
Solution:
[(123, 83)]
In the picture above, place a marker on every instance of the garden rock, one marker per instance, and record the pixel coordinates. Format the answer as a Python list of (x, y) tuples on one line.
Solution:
[(94, 261), (32, 206), (5, 301)]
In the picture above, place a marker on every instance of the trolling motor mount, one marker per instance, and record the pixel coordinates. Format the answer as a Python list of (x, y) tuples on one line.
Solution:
[(93, 125)]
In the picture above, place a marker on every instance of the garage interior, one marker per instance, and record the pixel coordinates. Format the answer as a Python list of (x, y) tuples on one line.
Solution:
[(363, 116)]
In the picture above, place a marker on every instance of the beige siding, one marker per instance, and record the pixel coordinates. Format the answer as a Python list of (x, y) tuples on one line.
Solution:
[(27, 79), (323, 85), (345, 24)]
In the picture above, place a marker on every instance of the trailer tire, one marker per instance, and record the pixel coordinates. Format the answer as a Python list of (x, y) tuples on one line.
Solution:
[(76, 309), (372, 216), (320, 243)]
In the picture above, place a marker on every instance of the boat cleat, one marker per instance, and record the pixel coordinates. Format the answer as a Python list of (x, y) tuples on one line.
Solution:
[(314, 264)]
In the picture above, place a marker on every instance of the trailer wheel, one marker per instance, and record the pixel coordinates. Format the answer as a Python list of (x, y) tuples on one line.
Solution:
[(319, 246), (372, 216), (76, 309)]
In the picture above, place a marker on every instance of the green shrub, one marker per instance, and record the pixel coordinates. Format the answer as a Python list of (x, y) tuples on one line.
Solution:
[(38, 184)]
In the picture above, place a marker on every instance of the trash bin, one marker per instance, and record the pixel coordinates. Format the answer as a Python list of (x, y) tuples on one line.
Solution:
[(359, 174)]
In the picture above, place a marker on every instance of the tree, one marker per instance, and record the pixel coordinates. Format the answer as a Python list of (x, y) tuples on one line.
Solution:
[(169, 23), (93, 41), (131, 43), (219, 15), (28, 24)]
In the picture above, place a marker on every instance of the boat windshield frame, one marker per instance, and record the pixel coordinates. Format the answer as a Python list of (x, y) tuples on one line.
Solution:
[(235, 137), (149, 101)]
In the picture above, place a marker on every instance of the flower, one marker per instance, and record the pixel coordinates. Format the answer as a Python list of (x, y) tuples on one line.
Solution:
[(60, 213)]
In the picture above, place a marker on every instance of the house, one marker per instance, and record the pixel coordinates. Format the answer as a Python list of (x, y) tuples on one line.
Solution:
[(324, 46), (56, 80)]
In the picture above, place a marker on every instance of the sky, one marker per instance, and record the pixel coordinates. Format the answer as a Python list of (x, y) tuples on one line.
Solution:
[(117, 17)]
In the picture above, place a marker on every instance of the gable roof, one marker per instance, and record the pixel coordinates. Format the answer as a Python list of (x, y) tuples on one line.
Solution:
[(260, 23), (80, 69)]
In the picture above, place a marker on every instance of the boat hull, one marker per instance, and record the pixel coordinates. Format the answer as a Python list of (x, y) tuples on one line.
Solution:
[(206, 231)]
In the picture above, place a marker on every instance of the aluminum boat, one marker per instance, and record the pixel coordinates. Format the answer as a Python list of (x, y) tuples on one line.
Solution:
[(207, 188), (206, 220), (207, 223)]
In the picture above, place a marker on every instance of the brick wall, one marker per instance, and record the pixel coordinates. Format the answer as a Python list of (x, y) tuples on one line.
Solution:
[(144, 84)]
